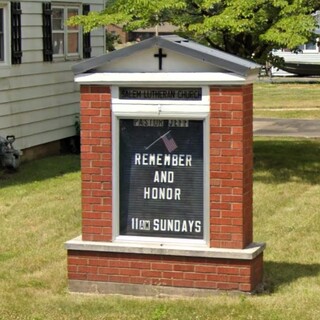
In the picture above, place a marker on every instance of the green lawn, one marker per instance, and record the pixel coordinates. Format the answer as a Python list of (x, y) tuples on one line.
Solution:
[(40, 210), (287, 100)]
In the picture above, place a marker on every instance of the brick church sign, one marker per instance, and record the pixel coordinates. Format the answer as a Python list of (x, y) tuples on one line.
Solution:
[(166, 161)]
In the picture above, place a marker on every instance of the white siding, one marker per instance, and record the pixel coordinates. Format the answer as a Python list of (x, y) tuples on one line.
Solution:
[(39, 100)]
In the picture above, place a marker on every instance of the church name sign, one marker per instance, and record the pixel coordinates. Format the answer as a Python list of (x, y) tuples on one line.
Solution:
[(135, 93), (161, 178)]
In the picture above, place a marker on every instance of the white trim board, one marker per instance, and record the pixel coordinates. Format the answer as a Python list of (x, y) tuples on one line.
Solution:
[(168, 79)]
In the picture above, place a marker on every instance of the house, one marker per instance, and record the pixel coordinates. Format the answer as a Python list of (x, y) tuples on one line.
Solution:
[(39, 100), (141, 34), (305, 61)]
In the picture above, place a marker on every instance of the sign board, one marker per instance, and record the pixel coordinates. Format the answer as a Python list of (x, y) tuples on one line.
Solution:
[(186, 94), (161, 178)]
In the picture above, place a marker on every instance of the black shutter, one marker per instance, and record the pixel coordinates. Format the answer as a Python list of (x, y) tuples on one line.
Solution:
[(47, 31), (16, 50), (86, 36)]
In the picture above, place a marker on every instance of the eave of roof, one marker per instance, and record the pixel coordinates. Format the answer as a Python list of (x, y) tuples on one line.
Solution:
[(164, 79)]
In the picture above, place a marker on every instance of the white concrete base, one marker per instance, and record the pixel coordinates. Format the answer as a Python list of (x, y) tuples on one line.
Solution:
[(95, 287)]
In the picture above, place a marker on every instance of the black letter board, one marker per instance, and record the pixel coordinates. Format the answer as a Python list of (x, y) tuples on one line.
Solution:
[(161, 178)]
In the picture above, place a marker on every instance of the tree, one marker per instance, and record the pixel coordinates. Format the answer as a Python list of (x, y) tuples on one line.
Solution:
[(247, 28)]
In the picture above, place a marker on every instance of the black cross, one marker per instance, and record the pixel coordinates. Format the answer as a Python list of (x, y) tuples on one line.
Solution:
[(160, 55)]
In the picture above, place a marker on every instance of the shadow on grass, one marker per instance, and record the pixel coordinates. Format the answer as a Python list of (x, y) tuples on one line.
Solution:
[(285, 160), (39, 170), (278, 274)]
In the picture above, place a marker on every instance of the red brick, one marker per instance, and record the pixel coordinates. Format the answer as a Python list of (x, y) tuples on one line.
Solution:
[(183, 283), (246, 287), (237, 222), (222, 145), (231, 229), (91, 200), (227, 286), (72, 269), (119, 263), (77, 276), (140, 265), (91, 230), (77, 261), (99, 262), (85, 89), (217, 277), (99, 89), (97, 277), (231, 198), (227, 270), (165, 282), (86, 125), (221, 190), (224, 160), (108, 270), (195, 276), (129, 272), (221, 206), (232, 137), (151, 274), (239, 279), (221, 130), (87, 269), (205, 284), (232, 214), (162, 266), (231, 123), (184, 267), (221, 99), (205, 269), (172, 275), (221, 221), (120, 278)]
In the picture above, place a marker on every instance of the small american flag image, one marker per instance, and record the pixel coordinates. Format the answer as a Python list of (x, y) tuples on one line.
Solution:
[(169, 142)]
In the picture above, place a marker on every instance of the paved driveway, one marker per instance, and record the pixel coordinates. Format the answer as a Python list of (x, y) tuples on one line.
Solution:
[(286, 127)]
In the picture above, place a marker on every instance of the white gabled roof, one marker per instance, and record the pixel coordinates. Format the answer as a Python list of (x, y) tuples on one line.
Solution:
[(181, 55)]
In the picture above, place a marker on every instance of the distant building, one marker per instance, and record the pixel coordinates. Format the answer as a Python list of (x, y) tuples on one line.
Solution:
[(140, 34)]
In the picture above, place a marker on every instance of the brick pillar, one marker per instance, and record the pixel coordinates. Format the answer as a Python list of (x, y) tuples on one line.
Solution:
[(231, 166), (96, 163)]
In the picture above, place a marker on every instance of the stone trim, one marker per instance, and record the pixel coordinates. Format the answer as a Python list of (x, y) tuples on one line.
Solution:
[(249, 253)]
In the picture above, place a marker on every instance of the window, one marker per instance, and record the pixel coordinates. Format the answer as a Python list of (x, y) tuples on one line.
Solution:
[(65, 39), (4, 42), (312, 46), (10, 22), (59, 40), (317, 17), (309, 47)]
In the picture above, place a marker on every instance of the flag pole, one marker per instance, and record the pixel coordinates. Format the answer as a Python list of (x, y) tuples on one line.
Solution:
[(154, 142)]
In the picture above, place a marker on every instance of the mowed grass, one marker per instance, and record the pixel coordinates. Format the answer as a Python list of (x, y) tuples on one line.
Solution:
[(40, 210), (287, 100)]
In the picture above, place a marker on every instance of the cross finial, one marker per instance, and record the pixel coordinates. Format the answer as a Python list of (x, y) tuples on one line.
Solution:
[(160, 55)]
